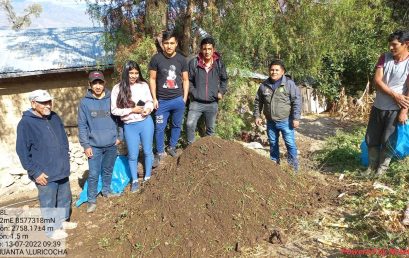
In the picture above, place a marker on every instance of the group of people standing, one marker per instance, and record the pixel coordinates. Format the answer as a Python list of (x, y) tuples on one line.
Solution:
[(105, 118)]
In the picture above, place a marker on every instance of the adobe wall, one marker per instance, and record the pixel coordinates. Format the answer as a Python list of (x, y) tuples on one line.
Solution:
[(66, 88)]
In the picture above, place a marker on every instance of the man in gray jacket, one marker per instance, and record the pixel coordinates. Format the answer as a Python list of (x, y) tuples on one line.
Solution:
[(279, 99)]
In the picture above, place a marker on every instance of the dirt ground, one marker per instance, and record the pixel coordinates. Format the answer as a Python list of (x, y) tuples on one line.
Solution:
[(219, 199)]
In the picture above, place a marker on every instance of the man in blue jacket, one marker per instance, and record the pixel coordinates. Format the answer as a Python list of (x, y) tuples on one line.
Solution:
[(208, 84), (42, 147), (279, 99), (99, 135)]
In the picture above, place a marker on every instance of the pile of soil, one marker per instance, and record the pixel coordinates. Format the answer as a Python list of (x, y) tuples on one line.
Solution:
[(215, 199)]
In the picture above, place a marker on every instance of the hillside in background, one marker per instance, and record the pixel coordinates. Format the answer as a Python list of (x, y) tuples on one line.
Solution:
[(55, 14)]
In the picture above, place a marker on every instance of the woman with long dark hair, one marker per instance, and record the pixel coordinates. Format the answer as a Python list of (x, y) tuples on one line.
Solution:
[(132, 101)]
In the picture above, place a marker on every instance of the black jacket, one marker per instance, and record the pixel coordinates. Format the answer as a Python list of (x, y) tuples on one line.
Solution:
[(205, 86)]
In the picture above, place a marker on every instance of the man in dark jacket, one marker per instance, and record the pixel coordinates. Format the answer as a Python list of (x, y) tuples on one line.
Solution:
[(99, 135), (208, 84), (279, 99), (42, 147)]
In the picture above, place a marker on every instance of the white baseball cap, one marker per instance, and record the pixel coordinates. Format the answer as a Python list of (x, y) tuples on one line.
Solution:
[(40, 96)]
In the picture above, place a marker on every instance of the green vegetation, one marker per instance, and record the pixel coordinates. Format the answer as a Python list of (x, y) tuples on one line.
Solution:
[(327, 44), (374, 208), (341, 153)]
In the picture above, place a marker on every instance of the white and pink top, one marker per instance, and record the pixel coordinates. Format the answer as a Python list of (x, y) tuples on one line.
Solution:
[(140, 91)]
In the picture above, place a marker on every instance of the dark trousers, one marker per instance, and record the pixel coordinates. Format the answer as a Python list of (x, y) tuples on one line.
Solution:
[(379, 137), (196, 110)]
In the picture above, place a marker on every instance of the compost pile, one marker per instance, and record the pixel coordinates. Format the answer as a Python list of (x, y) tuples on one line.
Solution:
[(215, 199)]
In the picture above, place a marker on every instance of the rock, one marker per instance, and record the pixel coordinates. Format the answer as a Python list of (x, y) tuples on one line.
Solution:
[(25, 180), (16, 171), (78, 154), (31, 186), (79, 161), (254, 145), (6, 180), (4, 191), (277, 237), (83, 168), (71, 145), (74, 167)]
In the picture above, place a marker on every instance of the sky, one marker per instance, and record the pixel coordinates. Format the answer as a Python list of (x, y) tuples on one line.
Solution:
[(55, 14)]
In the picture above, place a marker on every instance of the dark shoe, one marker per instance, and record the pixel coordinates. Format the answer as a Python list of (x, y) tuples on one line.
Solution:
[(111, 195), (158, 158), (91, 207), (134, 186), (172, 151)]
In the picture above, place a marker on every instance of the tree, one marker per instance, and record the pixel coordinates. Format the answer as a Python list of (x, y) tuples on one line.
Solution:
[(156, 16), (19, 22), (328, 44)]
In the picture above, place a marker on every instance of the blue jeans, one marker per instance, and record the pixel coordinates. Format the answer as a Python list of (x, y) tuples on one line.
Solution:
[(55, 194), (196, 110), (273, 132), (136, 133), (102, 162), (167, 107)]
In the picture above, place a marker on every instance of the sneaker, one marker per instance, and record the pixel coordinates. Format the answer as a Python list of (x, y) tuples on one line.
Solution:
[(158, 158), (69, 225), (91, 207), (58, 234), (111, 195), (134, 186), (405, 220), (172, 151), (146, 178)]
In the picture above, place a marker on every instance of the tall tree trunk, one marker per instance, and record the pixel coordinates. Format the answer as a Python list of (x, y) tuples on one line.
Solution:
[(156, 16), (186, 38)]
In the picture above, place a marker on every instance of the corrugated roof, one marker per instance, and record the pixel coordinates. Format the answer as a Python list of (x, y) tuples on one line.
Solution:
[(39, 51)]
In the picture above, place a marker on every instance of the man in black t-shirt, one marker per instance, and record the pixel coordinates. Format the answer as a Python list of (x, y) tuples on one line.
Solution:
[(169, 83)]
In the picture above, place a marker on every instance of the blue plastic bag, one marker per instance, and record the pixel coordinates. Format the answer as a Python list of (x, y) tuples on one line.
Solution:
[(121, 176), (364, 154), (402, 140), (399, 144)]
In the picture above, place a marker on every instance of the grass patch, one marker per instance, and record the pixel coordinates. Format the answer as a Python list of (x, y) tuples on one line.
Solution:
[(373, 215), (341, 153)]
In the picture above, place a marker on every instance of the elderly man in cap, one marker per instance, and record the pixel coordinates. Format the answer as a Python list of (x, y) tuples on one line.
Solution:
[(99, 135), (42, 147)]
